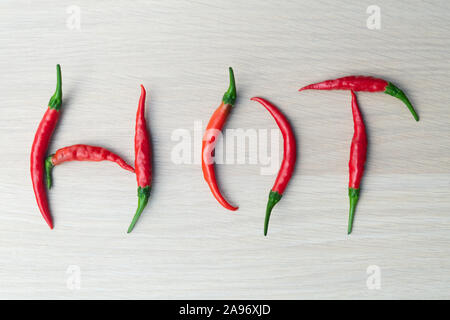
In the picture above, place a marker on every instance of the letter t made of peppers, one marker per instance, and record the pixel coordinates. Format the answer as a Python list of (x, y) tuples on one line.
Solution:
[(42, 164)]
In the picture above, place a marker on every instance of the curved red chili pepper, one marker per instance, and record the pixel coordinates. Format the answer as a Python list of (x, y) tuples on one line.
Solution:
[(142, 160), (81, 152), (40, 146), (358, 153), (289, 158), (363, 83), (213, 129)]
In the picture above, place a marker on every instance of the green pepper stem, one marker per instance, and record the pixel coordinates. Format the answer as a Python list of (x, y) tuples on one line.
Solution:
[(143, 195), (399, 94), (56, 99), (230, 96), (48, 171), (274, 197), (353, 194)]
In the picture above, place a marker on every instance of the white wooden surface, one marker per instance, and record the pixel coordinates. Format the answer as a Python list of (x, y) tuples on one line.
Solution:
[(186, 245)]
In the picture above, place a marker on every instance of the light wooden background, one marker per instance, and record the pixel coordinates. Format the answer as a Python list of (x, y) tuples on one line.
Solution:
[(186, 245)]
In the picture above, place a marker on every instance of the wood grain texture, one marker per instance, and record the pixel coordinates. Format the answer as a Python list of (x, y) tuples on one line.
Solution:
[(186, 245)]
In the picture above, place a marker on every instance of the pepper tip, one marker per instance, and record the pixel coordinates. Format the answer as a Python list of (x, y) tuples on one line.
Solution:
[(131, 227), (48, 171), (230, 95), (274, 197), (353, 194), (56, 99), (394, 91)]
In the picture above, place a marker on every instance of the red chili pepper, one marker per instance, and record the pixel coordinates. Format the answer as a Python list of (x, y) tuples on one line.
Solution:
[(213, 129), (358, 153), (40, 146), (363, 83), (142, 160), (289, 158), (81, 152)]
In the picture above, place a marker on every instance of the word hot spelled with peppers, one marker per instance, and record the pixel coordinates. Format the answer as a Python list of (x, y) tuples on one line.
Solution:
[(358, 151), (81, 152), (39, 149), (213, 130), (289, 158), (142, 159), (42, 164), (363, 83), (358, 148)]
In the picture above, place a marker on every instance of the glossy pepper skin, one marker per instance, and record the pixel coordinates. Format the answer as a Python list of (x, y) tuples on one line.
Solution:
[(142, 160), (357, 160), (81, 152), (39, 149), (212, 132), (364, 83), (289, 158)]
